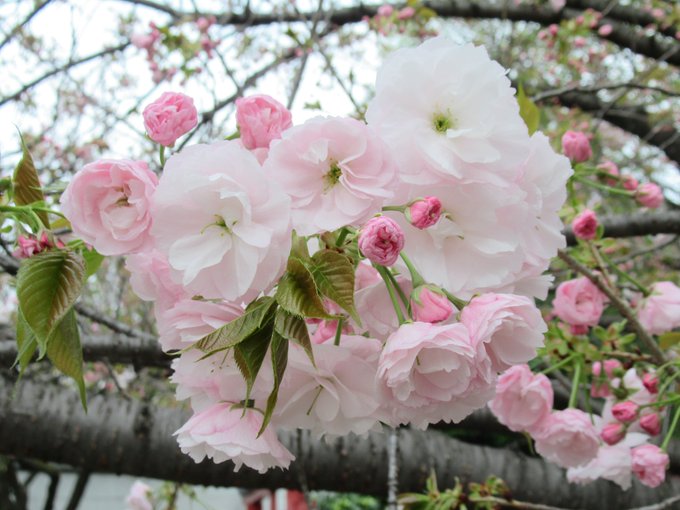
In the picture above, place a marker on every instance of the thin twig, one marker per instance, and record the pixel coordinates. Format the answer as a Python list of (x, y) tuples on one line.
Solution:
[(617, 302)]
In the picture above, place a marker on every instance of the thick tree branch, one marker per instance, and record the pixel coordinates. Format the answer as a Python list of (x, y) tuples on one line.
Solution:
[(135, 438)]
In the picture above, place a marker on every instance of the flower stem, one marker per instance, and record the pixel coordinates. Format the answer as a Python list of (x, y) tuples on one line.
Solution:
[(338, 331), (416, 279), (342, 236), (671, 429), (575, 383), (559, 364), (398, 288), (397, 309), (161, 154), (602, 187), (624, 274)]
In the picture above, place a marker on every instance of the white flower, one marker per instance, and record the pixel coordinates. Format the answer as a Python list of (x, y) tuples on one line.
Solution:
[(221, 223), (448, 110)]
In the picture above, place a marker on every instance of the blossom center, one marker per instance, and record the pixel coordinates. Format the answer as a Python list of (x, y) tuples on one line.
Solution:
[(442, 122), (221, 223), (333, 176)]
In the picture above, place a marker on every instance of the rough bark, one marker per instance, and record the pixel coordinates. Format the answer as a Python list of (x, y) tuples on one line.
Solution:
[(135, 438)]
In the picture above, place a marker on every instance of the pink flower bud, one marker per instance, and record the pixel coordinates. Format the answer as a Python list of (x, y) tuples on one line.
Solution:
[(406, 13), (261, 119), (630, 183), (424, 213), (385, 10), (613, 433), (169, 117), (576, 146), (553, 29), (611, 168), (605, 30), (585, 225), (203, 23), (649, 464), (610, 365), (430, 305), (380, 240), (578, 329), (27, 247), (625, 412), (651, 382), (651, 423), (649, 195), (142, 41)]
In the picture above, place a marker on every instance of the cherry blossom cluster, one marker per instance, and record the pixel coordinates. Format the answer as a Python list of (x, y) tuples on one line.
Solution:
[(442, 206)]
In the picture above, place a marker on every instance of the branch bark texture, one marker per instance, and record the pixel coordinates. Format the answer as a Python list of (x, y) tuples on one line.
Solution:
[(135, 438)]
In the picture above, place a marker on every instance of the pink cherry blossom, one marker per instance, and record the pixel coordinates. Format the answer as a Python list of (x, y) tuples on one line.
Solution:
[(585, 225), (337, 397), (613, 433), (385, 10), (612, 463), (169, 117), (576, 146), (630, 183), (261, 119), (509, 327), (381, 240), (222, 433), (425, 212), (151, 279), (579, 302), (108, 204), (139, 497), (428, 305), (605, 30), (625, 412), (377, 312), (223, 226), (649, 195), (660, 312), (567, 438), (337, 172), (523, 400), (651, 382), (649, 464), (651, 423), (431, 372), (406, 13)]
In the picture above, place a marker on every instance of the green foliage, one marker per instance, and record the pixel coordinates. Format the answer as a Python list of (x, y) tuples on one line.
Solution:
[(47, 286), (334, 501), (250, 353), (297, 292), (528, 111), (279, 354), (669, 340), (333, 274), (27, 189), (293, 328), (239, 329)]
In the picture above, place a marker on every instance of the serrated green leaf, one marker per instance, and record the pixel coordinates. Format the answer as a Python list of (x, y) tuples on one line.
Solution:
[(47, 286), (669, 340), (27, 189), (93, 261), (333, 274), (26, 343), (294, 329), (297, 292), (279, 355), (528, 111), (239, 329), (65, 353), (249, 354), (299, 247)]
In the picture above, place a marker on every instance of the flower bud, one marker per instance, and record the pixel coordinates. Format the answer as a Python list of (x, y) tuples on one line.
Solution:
[(425, 212), (381, 240), (585, 225), (651, 382), (630, 183), (261, 119), (649, 195), (169, 117), (625, 412), (430, 305), (613, 433), (576, 146), (651, 423)]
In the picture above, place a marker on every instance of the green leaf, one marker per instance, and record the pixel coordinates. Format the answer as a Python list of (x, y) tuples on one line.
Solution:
[(528, 111), (65, 353), (297, 293), (299, 247), (279, 354), (93, 261), (294, 329), (47, 286), (26, 343), (668, 340), (239, 329), (249, 354), (333, 274), (27, 189)]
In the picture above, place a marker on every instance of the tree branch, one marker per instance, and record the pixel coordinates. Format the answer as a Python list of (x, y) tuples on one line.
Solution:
[(135, 438), (640, 224)]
